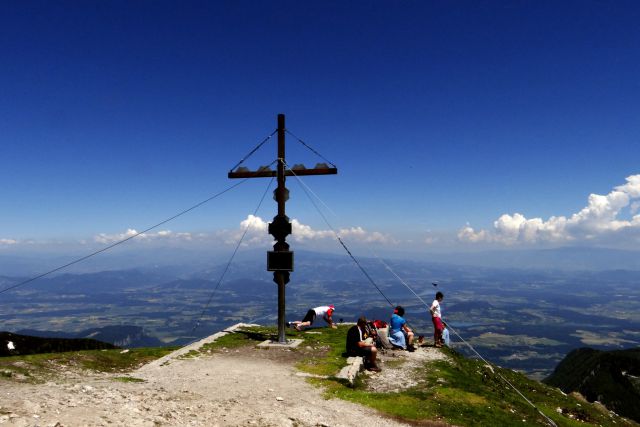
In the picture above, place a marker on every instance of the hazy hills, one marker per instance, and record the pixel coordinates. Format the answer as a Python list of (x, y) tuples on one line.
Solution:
[(118, 335), (523, 319), (25, 345), (186, 261), (564, 259)]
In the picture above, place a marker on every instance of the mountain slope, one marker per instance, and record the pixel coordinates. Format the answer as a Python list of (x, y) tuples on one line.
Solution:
[(229, 380), (118, 335), (610, 377), (16, 344)]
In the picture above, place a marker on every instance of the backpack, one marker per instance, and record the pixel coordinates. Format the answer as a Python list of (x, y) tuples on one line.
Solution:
[(379, 324), (380, 331)]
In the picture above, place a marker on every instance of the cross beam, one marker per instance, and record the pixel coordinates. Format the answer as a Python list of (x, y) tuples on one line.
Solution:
[(245, 173), (280, 260)]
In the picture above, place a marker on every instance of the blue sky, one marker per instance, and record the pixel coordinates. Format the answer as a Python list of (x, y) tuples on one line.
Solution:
[(453, 124)]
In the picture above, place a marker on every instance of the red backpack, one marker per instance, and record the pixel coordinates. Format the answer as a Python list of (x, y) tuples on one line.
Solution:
[(379, 324)]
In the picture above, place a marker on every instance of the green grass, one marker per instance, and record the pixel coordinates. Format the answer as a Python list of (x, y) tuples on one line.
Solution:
[(320, 353), (116, 361), (324, 358), (458, 391), (234, 340), (41, 367), (128, 379), (464, 392)]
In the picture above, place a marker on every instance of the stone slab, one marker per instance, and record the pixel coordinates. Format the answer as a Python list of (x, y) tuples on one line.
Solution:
[(292, 343), (350, 372)]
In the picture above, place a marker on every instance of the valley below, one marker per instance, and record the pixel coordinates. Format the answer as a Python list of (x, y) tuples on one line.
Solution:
[(526, 320)]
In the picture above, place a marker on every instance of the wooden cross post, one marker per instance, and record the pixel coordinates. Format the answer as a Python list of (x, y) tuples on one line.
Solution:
[(280, 260)]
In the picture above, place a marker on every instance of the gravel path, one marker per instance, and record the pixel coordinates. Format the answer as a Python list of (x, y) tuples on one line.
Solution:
[(219, 389)]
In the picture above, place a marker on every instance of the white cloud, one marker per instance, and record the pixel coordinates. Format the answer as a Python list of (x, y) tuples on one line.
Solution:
[(302, 232), (599, 220), (431, 240), (360, 234), (257, 233), (8, 242), (254, 223), (468, 234), (160, 235)]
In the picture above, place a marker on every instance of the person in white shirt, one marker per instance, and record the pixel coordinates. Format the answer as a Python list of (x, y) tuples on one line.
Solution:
[(436, 317), (324, 311)]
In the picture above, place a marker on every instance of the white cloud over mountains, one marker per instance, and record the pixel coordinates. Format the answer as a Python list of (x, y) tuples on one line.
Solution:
[(163, 234), (256, 233), (600, 220), (606, 219)]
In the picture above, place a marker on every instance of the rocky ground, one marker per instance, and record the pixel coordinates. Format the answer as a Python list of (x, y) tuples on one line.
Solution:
[(230, 388)]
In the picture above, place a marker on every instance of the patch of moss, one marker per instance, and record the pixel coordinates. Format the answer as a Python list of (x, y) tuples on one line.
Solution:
[(39, 368), (326, 345), (128, 380), (465, 392), (328, 348), (458, 391), (117, 361)]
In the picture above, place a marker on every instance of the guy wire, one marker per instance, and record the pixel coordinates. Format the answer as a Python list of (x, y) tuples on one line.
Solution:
[(235, 251), (119, 242), (549, 420)]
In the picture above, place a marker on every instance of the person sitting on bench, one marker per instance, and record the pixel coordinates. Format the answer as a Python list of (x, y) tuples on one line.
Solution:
[(358, 344)]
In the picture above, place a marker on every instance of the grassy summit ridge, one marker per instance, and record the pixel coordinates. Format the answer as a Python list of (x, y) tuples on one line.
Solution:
[(26, 344), (457, 390)]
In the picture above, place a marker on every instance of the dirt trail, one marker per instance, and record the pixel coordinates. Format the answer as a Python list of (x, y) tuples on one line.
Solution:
[(221, 389)]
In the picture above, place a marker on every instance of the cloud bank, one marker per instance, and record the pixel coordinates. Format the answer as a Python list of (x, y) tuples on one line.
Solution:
[(160, 235), (255, 231), (600, 221)]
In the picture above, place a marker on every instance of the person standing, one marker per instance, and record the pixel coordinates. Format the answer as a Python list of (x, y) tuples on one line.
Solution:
[(358, 344), (436, 318), (324, 311)]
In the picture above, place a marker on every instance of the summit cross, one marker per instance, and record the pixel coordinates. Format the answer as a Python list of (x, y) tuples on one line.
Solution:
[(280, 260)]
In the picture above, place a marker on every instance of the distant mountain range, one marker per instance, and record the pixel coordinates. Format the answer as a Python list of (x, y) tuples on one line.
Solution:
[(504, 313), (18, 344), (182, 262), (116, 335), (610, 377), (563, 258)]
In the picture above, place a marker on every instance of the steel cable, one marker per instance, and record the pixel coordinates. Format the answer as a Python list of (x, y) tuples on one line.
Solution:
[(304, 186), (311, 149), (119, 242), (235, 251)]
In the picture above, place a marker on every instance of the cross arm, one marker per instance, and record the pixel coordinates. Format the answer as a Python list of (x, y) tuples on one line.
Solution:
[(269, 173)]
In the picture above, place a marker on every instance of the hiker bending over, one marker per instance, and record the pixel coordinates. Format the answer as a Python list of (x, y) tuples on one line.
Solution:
[(436, 317), (359, 344), (325, 311), (400, 334)]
